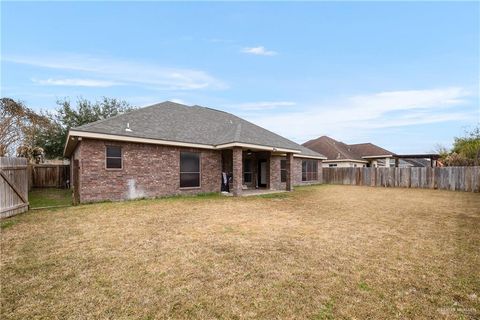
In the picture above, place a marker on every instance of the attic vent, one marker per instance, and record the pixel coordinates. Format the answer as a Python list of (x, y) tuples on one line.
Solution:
[(128, 127), (338, 155)]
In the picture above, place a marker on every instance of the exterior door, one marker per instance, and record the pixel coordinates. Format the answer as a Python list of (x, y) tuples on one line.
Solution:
[(262, 173)]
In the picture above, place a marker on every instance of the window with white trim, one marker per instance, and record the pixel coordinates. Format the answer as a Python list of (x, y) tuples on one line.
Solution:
[(283, 170), (189, 169), (247, 171), (309, 170), (113, 158)]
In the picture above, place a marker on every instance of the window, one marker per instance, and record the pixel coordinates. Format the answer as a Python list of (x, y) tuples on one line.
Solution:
[(113, 157), (283, 170), (332, 165), (247, 171), (309, 170), (189, 170)]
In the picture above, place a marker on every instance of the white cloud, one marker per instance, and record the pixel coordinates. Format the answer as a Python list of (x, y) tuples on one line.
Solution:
[(259, 51), (76, 82), (127, 72), (358, 115), (264, 105)]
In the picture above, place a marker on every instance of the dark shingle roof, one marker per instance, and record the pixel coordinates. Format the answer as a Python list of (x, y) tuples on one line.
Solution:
[(369, 149), (337, 150), (200, 125), (332, 149)]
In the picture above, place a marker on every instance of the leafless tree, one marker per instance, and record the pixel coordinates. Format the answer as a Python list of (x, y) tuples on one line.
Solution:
[(19, 126)]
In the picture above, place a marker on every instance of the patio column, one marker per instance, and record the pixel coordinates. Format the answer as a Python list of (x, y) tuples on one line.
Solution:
[(289, 171), (237, 171)]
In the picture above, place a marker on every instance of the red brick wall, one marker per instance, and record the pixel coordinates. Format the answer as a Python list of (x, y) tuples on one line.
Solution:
[(297, 163), (275, 177), (148, 171)]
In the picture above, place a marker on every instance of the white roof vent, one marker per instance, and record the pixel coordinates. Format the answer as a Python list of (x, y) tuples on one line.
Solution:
[(128, 127)]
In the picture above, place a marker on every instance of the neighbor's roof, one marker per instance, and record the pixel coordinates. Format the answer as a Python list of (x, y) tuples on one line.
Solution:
[(332, 149), (337, 150), (174, 122), (369, 149)]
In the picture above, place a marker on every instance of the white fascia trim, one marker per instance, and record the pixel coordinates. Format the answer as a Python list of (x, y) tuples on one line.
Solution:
[(114, 137), (378, 157), (66, 143), (308, 157), (346, 160), (254, 146)]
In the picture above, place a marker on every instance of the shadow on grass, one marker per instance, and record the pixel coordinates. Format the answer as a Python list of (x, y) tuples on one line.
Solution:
[(49, 197)]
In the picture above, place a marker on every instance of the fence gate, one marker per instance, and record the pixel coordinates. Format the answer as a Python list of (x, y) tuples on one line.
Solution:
[(49, 175), (13, 186)]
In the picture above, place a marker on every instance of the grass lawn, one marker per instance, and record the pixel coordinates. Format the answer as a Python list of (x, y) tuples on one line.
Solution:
[(323, 252), (48, 197)]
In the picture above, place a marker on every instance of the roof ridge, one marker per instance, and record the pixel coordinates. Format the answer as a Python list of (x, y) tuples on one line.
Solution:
[(335, 146), (122, 114), (197, 124), (314, 140)]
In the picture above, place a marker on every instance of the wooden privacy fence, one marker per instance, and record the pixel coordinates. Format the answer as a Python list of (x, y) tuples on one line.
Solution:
[(13, 186), (49, 175), (446, 178)]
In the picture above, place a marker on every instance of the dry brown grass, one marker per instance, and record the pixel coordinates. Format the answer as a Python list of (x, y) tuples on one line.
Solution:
[(319, 253)]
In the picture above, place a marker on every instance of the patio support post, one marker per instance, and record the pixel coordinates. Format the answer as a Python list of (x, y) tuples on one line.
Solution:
[(289, 165), (237, 171)]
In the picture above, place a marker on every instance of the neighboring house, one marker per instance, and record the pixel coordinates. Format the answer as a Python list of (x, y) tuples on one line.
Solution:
[(170, 148), (340, 154)]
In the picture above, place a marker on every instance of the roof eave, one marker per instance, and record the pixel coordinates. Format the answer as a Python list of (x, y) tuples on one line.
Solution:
[(115, 137), (70, 145), (379, 156), (309, 156), (255, 146), (345, 160)]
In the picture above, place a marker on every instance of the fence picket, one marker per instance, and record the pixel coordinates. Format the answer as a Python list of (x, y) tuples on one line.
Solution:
[(13, 186), (446, 178)]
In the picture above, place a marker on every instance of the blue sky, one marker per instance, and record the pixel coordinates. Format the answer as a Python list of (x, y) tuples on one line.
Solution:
[(401, 75)]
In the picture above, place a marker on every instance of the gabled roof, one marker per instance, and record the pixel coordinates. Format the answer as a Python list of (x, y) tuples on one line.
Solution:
[(177, 123), (337, 150), (332, 149), (369, 149)]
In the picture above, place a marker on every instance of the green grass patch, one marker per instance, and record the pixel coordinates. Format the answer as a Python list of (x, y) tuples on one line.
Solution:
[(49, 197), (326, 312), (364, 286), (7, 224)]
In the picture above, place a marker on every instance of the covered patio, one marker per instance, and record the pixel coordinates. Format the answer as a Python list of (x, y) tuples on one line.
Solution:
[(255, 170)]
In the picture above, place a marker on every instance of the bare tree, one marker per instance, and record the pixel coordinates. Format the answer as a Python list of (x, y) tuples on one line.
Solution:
[(19, 127)]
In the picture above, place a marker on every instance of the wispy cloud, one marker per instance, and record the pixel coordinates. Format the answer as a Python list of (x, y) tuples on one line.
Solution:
[(259, 51), (359, 114), (124, 71), (76, 82), (263, 105)]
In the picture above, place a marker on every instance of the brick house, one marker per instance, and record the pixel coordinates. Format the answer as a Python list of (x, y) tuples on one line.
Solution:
[(339, 154), (170, 149)]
